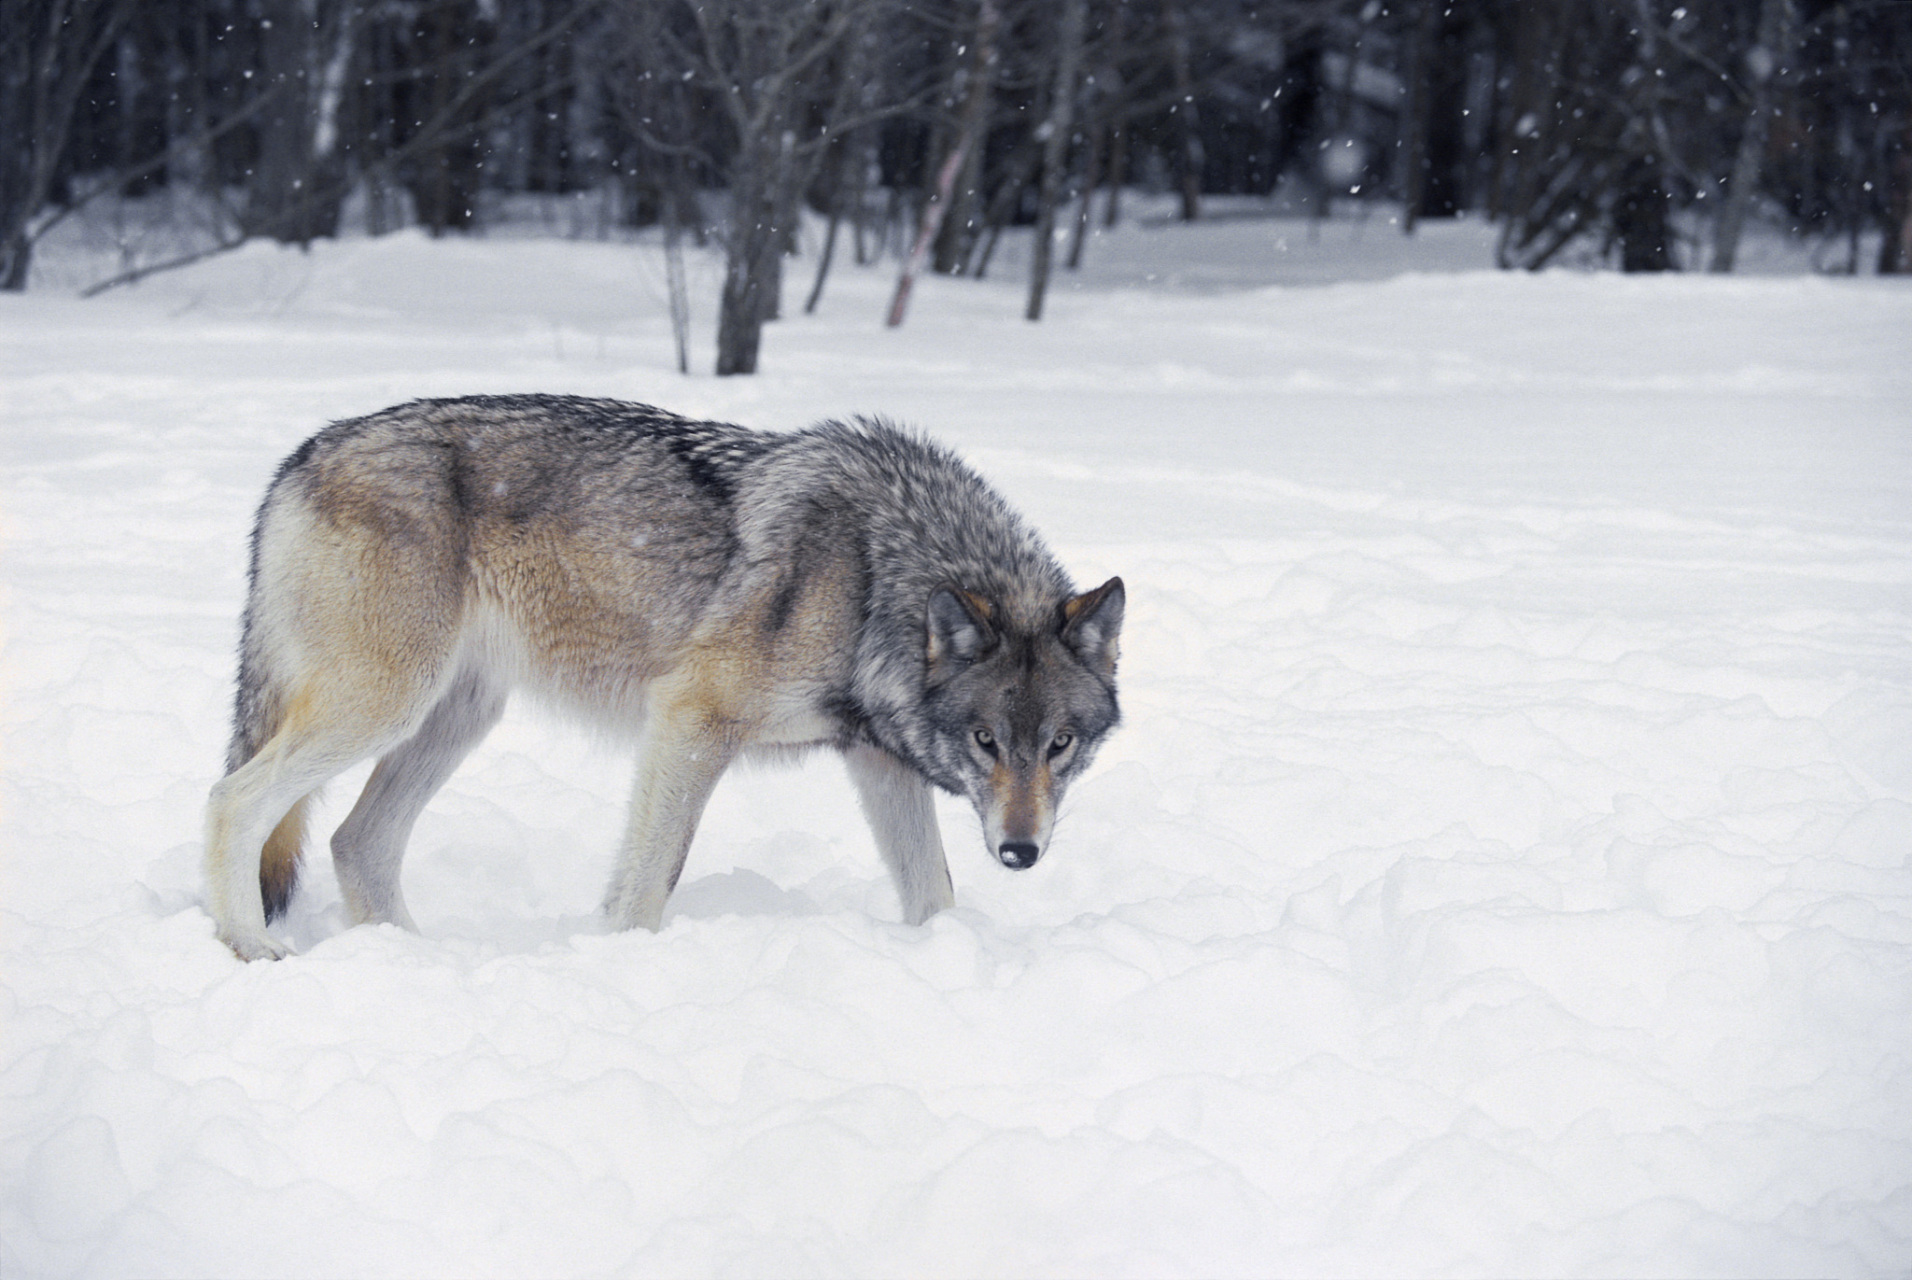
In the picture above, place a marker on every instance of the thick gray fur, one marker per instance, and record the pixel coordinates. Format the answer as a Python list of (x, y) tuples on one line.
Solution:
[(709, 590)]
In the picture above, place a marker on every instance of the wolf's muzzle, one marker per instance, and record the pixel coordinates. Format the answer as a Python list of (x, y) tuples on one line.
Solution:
[(1019, 854)]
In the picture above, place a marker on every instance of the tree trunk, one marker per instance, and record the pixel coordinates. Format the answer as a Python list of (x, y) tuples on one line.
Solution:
[(1895, 251), (677, 199), (1188, 143), (1527, 122), (1764, 62), (445, 178), (297, 186), (1008, 197), (764, 182), (1414, 127), (1055, 150), (963, 220), (1442, 159), (16, 254), (751, 260), (1640, 219), (47, 52), (1641, 211), (1090, 181), (932, 220), (1115, 93), (840, 182)]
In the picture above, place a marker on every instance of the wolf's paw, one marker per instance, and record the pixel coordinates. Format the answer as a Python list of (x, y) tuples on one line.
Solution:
[(255, 946)]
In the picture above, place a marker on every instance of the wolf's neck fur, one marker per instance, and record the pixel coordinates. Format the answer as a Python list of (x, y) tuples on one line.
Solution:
[(933, 523)]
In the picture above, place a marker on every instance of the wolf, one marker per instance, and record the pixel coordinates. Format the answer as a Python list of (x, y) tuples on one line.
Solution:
[(710, 591)]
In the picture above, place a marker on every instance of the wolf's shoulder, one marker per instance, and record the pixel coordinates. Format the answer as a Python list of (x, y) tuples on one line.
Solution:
[(925, 515), (882, 452)]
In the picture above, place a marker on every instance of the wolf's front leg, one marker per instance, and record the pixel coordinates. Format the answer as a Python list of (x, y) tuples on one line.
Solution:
[(682, 756), (902, 816)]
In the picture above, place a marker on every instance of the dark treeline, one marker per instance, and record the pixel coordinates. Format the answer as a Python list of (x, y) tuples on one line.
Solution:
[(1642, 131)]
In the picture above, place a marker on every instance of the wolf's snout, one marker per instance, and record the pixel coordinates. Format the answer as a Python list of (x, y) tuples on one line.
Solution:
[(1019, 854)]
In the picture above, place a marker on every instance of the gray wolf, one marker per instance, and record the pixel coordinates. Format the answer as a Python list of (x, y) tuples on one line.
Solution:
[(712, 591)]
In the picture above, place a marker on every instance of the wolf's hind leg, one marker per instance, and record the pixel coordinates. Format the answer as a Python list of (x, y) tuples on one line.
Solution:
[(244, 809), (902, 816), (325, 730), (369, 846)]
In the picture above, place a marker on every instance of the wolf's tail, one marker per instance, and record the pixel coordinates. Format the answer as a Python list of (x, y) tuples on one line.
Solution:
[(257, 712)]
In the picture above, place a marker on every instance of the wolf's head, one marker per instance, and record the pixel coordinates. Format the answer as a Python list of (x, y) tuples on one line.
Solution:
[(1019, 708)]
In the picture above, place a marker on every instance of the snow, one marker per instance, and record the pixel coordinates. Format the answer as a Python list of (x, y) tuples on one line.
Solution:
[(1503, 867)]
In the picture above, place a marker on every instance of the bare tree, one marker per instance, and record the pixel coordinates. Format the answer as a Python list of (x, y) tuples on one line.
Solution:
[(773, 72), (297, 185), (48, 49), (974, 87), (1058, 131), (1188, 139), (1589, 141), (930, 224), (1764, 62), (848, 172), (299, 198), (1436, 105), (1571, 122), (957, 177), (1895, 249), (449, 42)]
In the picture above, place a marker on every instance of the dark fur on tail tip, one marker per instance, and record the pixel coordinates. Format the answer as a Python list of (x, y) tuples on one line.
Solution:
[(277, 896), (279, 862)]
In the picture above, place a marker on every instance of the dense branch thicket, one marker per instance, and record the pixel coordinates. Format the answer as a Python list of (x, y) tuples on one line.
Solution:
[(1645, 133)]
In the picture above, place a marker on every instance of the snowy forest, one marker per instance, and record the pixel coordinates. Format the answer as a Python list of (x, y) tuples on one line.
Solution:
[(1642, 133)]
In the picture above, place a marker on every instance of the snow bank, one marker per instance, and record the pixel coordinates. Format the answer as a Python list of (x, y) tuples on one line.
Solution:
[(1503, 867)]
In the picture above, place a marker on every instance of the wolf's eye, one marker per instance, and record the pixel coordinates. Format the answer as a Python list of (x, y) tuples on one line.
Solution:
[(1061, 743), (986, 740)]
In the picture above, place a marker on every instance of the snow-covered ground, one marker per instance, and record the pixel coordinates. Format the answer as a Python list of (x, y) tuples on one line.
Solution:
[(1505, 866)]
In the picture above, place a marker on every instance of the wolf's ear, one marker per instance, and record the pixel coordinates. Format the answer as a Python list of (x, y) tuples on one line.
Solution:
[(1091, 623), (959, 628)]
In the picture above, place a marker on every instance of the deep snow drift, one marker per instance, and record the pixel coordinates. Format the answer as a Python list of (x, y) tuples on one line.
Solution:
[(1503, 867)]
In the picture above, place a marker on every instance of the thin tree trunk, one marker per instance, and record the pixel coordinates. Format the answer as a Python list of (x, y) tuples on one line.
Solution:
[(1343, 121), (1055, 151), (1765, 61), (786, 194), (674, 263), (1002, 205), (298, 187), (859, 213), (1895, 250), (1116, 113), (1118, 172), (1090, 181), (846, 160), (823, 262), (1188, 142), (1641, 218), (926, 231), (1443, 167), (46, 61), (960, 225), (1420, 54), (742, 308), (751, 256), (1529, 112)]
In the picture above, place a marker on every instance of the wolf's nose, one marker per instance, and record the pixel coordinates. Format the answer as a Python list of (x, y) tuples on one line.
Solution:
[(1018, 854)]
